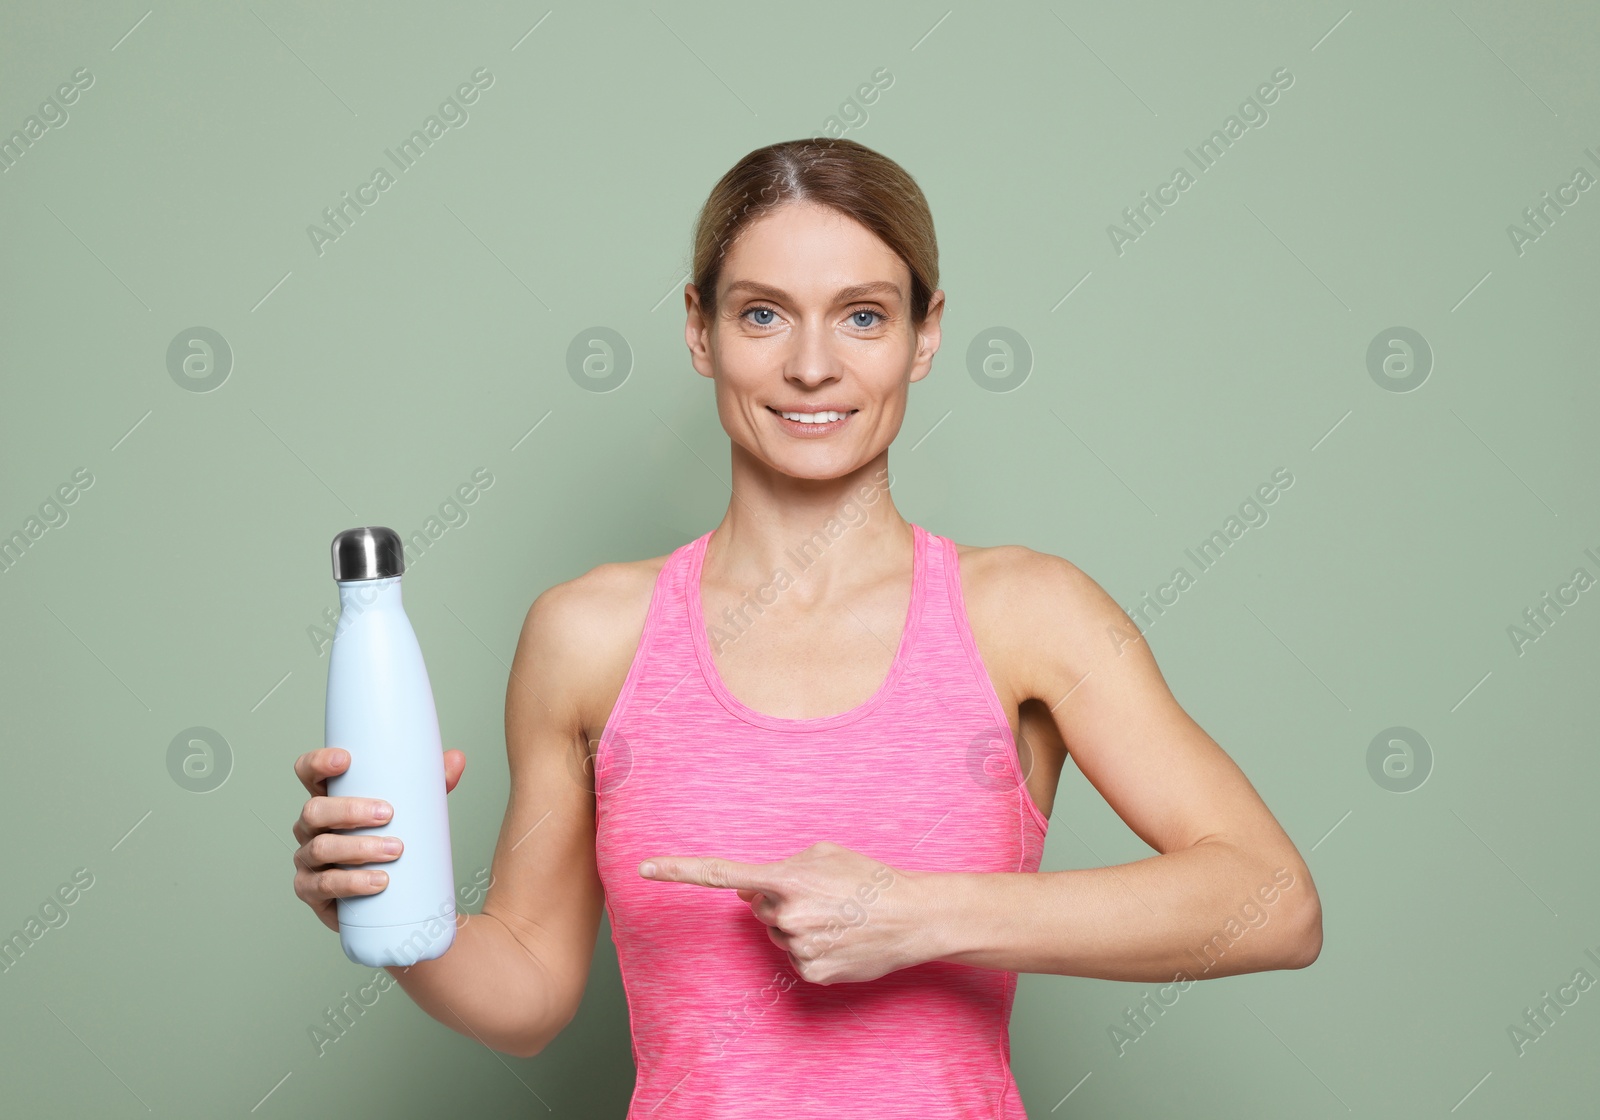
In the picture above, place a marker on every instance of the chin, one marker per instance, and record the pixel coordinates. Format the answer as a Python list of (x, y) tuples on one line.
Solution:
[(814, 468), (812, 471)]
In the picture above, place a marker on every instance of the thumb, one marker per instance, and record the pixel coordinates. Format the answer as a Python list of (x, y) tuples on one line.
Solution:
[(454, 763)]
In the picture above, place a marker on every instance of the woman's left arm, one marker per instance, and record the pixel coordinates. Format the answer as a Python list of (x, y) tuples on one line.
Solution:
[(1228, 892)]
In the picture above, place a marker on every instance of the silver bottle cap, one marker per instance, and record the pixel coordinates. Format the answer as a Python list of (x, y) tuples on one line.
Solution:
[(370, 552)]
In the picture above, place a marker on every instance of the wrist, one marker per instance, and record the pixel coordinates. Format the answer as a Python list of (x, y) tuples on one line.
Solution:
[(937, 905)]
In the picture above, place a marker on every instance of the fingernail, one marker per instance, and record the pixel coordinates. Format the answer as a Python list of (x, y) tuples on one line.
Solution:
[(390, 847), (380, 811), (340, 757), (376, 878), (648, 871)]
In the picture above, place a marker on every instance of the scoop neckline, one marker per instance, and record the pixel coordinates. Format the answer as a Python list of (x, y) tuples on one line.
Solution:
[(719, 688)]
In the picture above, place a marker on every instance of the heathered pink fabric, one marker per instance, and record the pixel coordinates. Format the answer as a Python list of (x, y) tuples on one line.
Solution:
[(922, 776)]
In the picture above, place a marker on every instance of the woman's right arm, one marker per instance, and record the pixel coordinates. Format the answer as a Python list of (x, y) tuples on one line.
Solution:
[(515, 975)]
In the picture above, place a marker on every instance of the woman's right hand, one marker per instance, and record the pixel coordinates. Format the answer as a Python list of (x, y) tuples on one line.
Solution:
[(318, 881)]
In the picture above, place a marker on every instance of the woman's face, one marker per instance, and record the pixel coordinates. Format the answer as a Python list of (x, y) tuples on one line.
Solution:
[(814, 319)]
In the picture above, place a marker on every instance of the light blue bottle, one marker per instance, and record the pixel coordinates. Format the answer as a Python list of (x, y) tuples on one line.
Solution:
[(380, 709)]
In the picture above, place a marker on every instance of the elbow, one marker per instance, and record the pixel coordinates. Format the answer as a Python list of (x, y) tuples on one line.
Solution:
[(523, 1040), (523, 1045), (531, 1042), (521, 1050), (1306, 945)]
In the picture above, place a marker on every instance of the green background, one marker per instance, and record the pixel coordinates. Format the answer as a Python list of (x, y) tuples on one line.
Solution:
[(368, 381)]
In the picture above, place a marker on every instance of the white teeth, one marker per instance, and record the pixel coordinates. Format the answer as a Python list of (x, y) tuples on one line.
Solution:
[(812, 417)]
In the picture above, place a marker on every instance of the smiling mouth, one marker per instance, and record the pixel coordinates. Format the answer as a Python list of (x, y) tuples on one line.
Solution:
[(819, 419)]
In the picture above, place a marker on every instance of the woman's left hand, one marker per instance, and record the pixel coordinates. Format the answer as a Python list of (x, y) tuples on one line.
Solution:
[(840, 915)]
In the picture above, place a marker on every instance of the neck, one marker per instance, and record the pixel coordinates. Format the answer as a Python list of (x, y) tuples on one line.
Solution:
[(813, 529)]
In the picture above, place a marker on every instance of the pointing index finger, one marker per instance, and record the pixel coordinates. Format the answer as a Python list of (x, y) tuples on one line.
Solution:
[(709, 871)]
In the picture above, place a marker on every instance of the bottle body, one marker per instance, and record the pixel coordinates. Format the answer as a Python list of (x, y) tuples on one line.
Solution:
[(380, 708)]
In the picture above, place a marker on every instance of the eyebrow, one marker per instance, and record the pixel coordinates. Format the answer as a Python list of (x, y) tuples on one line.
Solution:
[(843, 295)]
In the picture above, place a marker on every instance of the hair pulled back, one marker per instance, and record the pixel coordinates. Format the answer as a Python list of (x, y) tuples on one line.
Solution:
[(840, 174)]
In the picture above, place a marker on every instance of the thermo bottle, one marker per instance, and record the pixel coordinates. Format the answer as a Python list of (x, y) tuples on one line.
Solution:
[(380, 710)]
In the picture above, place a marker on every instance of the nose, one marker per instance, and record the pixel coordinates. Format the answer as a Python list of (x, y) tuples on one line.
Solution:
[(812, 361)]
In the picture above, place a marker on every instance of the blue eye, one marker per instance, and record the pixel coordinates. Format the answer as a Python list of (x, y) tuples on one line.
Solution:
[(855, 321)]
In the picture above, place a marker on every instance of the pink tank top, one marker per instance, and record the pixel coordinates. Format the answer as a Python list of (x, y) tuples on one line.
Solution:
[(923, 776)]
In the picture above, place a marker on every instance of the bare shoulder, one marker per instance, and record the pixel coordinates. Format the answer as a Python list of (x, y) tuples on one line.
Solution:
[(579, 637), (1018, 581), (589, 607), (1046, 620)]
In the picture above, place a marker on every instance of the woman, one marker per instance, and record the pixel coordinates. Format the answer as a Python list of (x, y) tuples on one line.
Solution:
[(810, 822)]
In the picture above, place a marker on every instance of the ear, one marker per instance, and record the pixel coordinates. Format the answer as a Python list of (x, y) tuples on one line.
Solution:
[(928, 337), (697, 331)]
